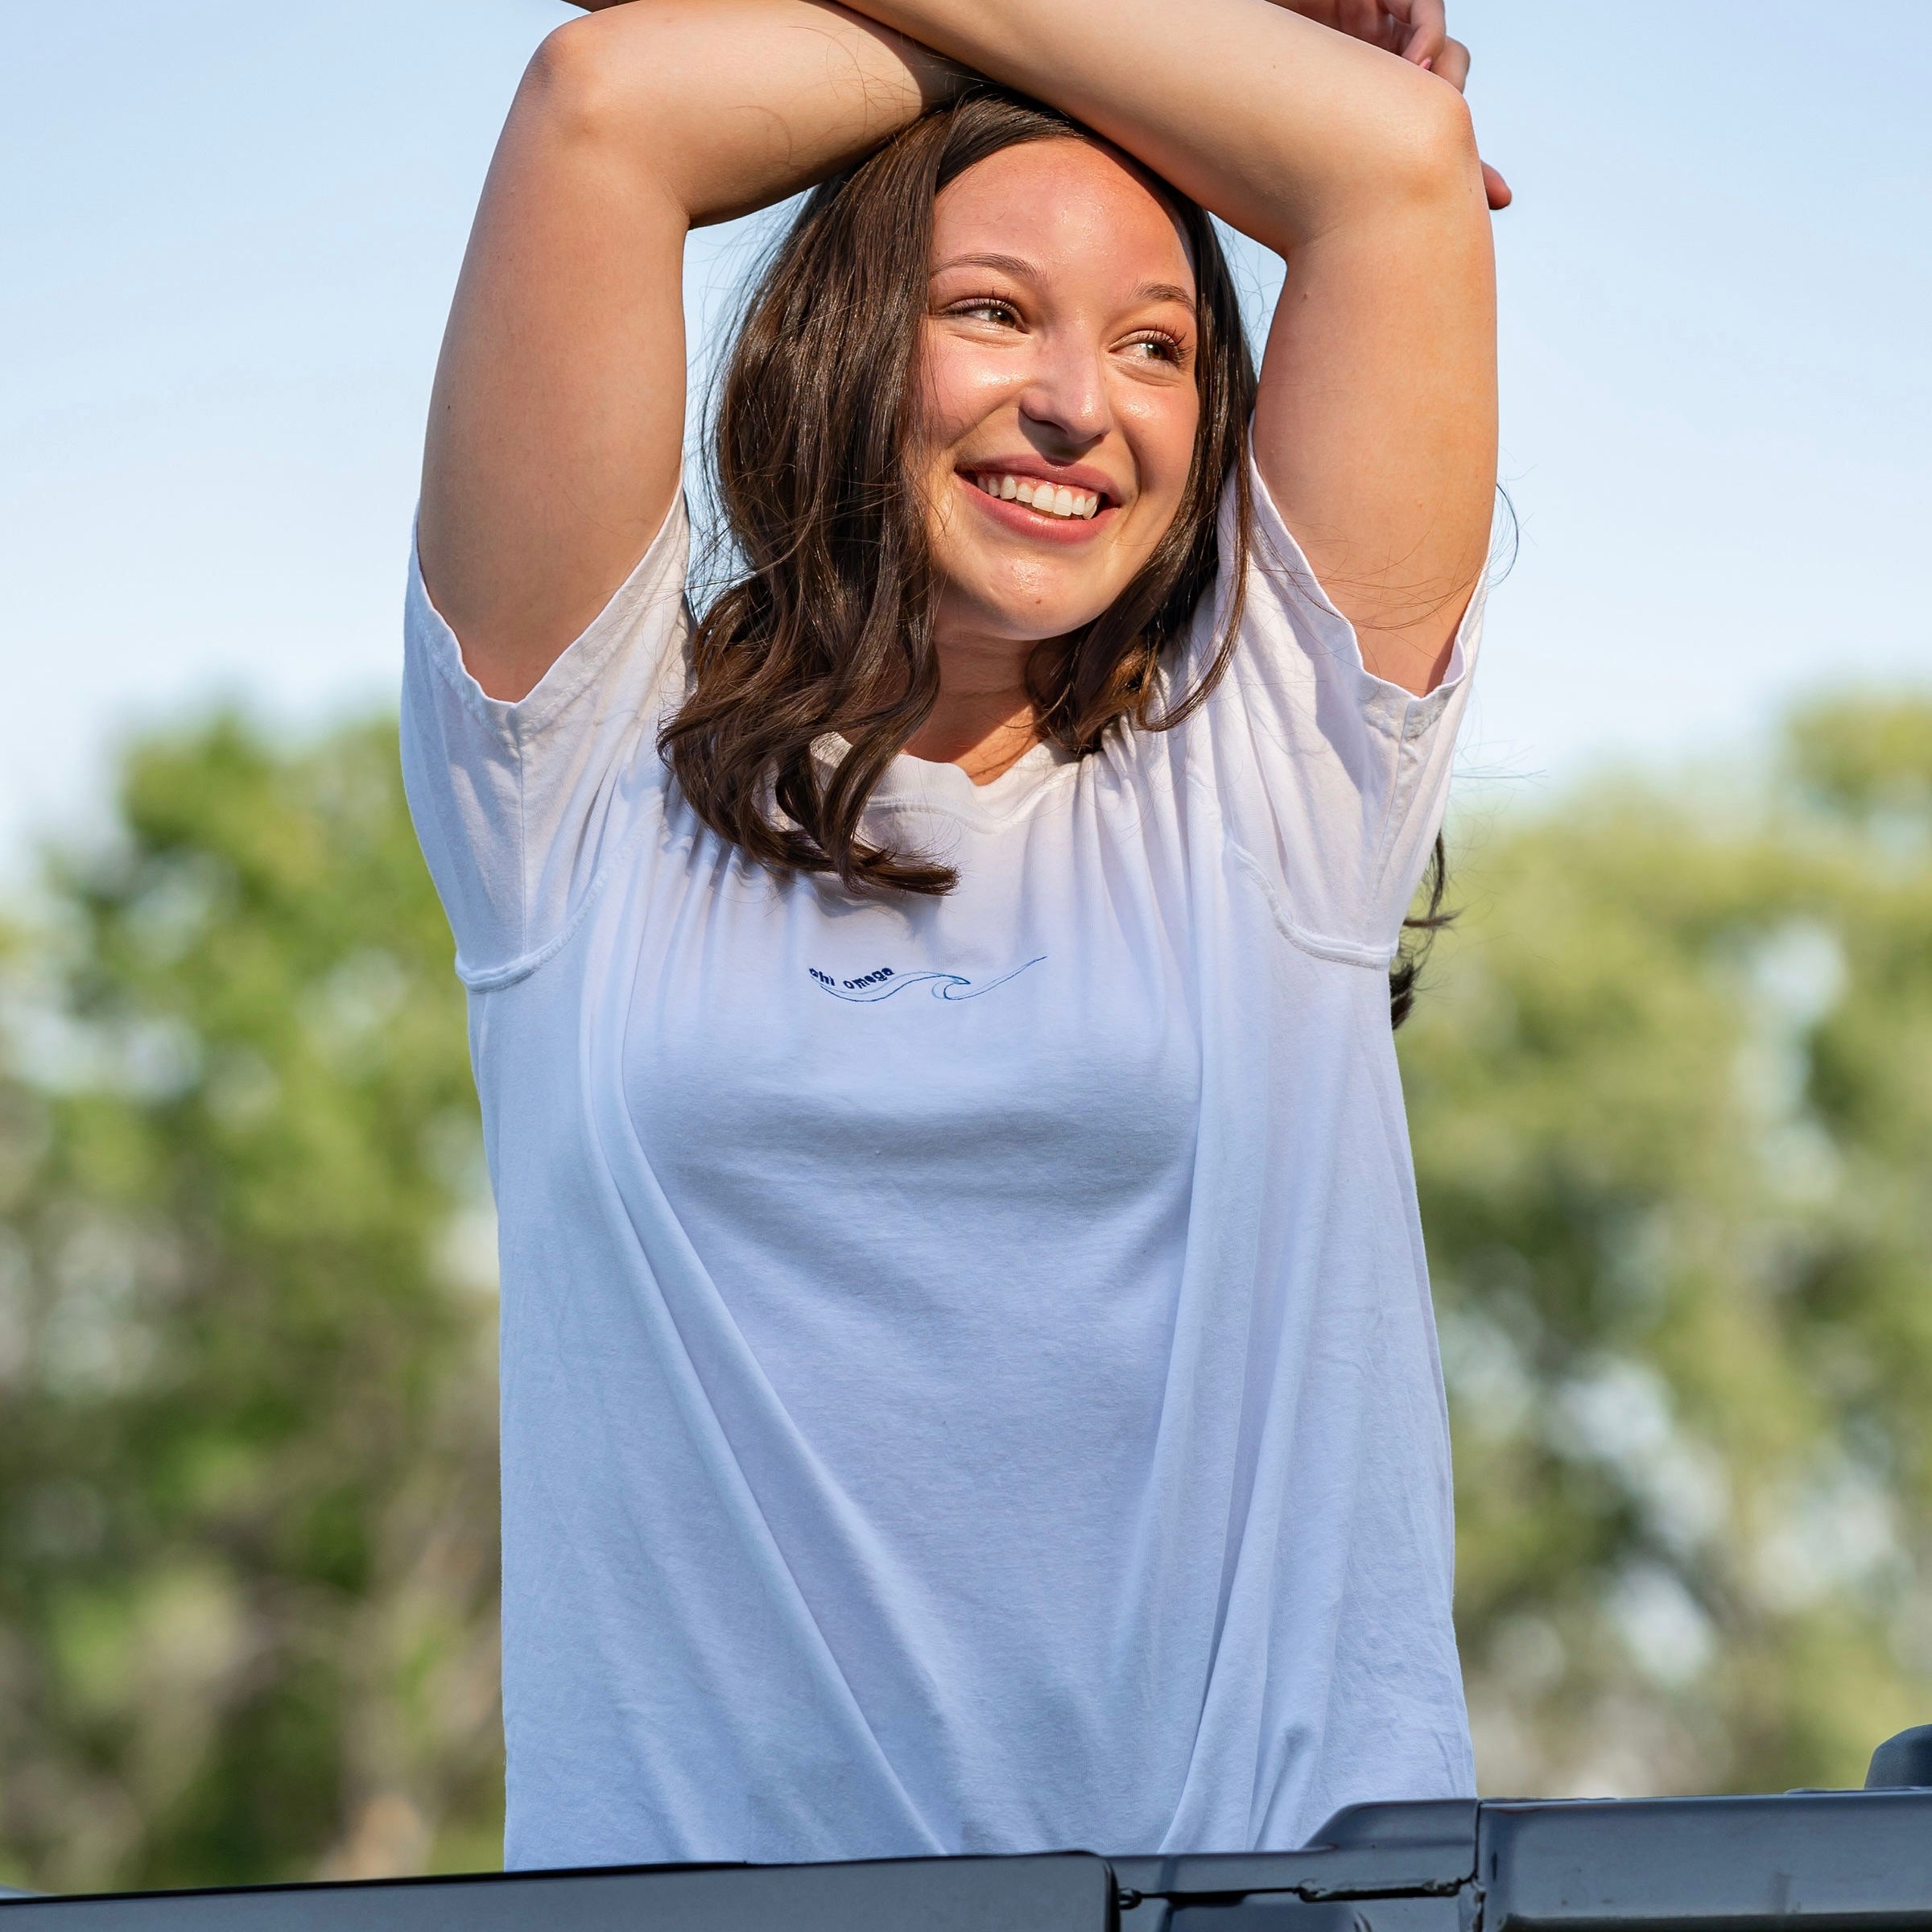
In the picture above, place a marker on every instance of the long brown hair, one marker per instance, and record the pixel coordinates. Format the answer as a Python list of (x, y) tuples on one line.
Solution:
[(829, 629)]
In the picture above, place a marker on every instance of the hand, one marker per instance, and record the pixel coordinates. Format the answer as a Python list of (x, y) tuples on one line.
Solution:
[(1416, 29)]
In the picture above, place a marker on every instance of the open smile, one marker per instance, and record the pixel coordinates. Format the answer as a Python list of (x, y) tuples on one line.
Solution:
[(1047, 499), (1036, 507)]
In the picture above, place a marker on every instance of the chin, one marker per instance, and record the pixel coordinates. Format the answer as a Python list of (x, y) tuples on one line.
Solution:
[(1020, 614)]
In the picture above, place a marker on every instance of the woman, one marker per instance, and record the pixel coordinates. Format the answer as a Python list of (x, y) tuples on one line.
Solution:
[(967, 1376)]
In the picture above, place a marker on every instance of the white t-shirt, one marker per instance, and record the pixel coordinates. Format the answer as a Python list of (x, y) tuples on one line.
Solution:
[(968, 1382)]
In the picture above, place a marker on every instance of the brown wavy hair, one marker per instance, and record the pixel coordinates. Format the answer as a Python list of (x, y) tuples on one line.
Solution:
[(828, 627)]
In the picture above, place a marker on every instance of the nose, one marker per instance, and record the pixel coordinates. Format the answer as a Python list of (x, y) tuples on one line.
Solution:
[(1065, 401)]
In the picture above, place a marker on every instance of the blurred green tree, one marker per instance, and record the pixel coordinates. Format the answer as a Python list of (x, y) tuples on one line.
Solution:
[(247, 1481), (1671, 1091), (1671, 1100)]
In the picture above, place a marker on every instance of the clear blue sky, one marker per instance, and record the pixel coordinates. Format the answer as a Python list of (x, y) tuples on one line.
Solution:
[(230, 233)]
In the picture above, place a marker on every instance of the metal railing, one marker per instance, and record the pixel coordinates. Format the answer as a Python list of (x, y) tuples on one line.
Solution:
[(1803, 1861)]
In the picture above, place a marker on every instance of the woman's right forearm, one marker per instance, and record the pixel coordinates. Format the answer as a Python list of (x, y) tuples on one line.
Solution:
[(1287, 129)]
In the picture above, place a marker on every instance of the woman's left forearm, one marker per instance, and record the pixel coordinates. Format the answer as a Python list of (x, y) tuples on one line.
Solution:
[(1281, 126)]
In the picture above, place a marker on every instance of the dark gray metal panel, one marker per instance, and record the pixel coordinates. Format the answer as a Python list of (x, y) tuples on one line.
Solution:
[(1363, 1851), (1904, 1760), (1278, 1912), (1848, 1861), (1065, 1892), (1144, 1912)]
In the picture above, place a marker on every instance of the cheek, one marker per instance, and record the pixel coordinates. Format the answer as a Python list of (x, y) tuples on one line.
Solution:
[(960, 384), (1161, 426)]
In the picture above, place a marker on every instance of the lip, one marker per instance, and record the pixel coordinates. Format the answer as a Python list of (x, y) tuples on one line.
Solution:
[(1075, 475), (1025, 521)]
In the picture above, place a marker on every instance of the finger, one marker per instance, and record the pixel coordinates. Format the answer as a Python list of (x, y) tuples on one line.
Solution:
[(1452, 64), (1368, 20), (1425, 28), (1496, 188)]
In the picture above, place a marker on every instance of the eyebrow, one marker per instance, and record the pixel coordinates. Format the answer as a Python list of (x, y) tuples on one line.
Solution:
[(1019, 266)]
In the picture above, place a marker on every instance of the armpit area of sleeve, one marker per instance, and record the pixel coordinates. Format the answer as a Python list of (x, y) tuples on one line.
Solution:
[(1331, 781), (643, 609), (519, 807), (1279, 569)]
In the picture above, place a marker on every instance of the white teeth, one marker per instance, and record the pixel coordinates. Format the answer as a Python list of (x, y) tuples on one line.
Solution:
[(1053, 500)]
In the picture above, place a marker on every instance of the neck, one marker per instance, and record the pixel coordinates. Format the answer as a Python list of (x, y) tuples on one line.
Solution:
[(983, 720)]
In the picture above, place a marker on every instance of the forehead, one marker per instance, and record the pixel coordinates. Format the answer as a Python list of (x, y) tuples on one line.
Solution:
[(1067, 207)]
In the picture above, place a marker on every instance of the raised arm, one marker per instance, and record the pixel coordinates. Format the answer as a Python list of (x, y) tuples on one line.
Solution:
[(557, 425), (1376, 428)]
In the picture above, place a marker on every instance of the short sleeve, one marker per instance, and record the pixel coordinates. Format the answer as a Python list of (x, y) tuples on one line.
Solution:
[(521, 807), (1330, 782)]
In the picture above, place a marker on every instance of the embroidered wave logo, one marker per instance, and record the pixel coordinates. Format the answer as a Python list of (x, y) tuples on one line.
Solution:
[(868, 989)]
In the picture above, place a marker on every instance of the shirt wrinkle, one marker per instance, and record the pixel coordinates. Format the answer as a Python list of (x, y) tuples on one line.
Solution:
[(968, 1382)]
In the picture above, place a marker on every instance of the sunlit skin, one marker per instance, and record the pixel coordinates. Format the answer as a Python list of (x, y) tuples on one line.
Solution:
[(557, 428), (1059, 346)]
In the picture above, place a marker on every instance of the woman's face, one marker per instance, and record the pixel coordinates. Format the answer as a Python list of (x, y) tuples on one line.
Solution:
[(1057, 363)]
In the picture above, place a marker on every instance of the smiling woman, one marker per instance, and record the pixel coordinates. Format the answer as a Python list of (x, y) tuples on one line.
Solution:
[(972, 306), (968, 1377)]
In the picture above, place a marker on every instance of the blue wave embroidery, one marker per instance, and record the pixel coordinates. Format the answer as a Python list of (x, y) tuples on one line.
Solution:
[(870, 988)]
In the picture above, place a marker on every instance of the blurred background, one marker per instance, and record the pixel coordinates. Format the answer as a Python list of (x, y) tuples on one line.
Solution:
[(1670, 1081)]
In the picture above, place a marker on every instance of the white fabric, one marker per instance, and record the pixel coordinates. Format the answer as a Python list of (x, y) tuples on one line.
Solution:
[(969, 1382)]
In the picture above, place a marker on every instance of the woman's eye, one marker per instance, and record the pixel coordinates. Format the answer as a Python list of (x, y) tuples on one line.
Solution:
[(1002, 313), (1155, 349)]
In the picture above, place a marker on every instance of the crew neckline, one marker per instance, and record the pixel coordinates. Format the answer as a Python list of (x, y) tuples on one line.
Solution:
[(939, 785)]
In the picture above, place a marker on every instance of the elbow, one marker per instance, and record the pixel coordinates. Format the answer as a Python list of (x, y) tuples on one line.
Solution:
[(1409, 149), (568, 87), (591, 82), (1434, 154)]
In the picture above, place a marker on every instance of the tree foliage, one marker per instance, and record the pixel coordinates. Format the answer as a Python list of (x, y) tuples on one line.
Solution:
[(1671, 1098), (247, 1488), (1670, 1085)]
